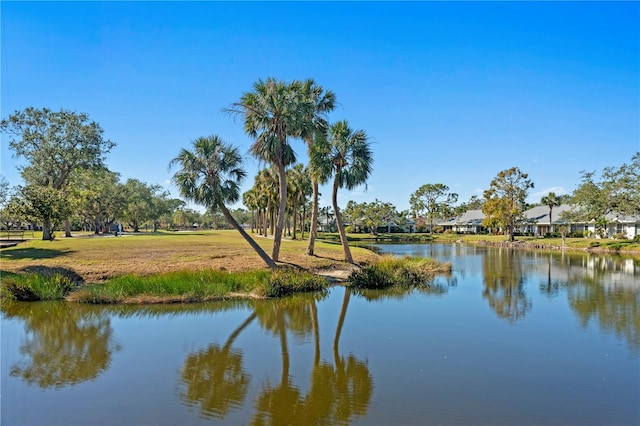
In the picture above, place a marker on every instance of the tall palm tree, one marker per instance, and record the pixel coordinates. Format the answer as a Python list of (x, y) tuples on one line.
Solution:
[(299, 188), (250, 201), (274, 112), (346, 155), (267, 186), (211, 175), (323, 102), (551, 200)]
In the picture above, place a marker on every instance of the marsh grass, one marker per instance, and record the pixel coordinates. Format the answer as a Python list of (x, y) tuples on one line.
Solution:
[(31, 286), (286, 281), (390, 271), (197, 286)]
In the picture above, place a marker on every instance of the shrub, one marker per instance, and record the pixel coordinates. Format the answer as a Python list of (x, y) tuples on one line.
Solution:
[(286, 281), (620, 236), (594, 244), (392, 270), (370, 277)]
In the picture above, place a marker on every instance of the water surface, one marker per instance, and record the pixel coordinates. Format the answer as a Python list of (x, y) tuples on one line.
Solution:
[(510, 337)]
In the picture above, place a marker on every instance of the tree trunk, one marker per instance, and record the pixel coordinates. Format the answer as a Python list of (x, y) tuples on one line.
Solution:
[(295, 219), (270, 263), (336, 212), (46, 230), (313, 227), (277, 239), (67, 228)]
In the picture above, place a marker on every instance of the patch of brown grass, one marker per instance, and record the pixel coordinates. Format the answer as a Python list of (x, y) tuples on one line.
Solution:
[(97, 259)]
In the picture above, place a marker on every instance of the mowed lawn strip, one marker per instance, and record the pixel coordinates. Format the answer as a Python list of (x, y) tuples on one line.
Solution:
[(100, 258)]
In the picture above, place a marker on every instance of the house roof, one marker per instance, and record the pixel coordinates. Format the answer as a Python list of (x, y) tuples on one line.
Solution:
[(540, 214), (470, 217)]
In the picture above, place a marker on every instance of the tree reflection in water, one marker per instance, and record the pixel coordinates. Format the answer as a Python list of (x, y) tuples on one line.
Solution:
[(503, 285), (215, 378), (75, 347), (437, 286), (606, 291), (336, 393)]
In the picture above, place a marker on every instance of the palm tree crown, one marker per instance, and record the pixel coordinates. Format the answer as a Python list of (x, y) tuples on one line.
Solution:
[(346, 155), (274, 112), (211, 175)]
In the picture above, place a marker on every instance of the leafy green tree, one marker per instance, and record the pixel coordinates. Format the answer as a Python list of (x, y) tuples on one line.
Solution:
[(11, 215), (5, 192), (45, 205), (98, 196), (506, 200), (274, 112), (433, 200), (346, 155), (55, 145), (622, 185), (161, 207), (210, 175), (241, 215), (372, 215), (139, 202), (591, 203)]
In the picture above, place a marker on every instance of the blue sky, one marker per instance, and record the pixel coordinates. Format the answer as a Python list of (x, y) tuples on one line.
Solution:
[(449, 92)]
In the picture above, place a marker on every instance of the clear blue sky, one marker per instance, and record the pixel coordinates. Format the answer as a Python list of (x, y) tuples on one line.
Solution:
[(449, 93)]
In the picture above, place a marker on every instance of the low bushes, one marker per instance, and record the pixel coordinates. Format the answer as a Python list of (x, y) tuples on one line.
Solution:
[(403, 271)]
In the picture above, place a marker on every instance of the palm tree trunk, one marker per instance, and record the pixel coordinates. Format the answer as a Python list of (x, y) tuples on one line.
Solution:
[(313, 227), (277, 239), (336, 211), (295, 219), (343, 314), (270, 263)]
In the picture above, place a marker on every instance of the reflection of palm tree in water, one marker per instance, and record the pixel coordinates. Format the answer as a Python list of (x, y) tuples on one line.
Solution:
[(335, 394), (215, 377), (75, 348)]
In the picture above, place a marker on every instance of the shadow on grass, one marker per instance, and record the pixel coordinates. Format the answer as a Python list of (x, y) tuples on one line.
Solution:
[(49, 271), (32, 253)]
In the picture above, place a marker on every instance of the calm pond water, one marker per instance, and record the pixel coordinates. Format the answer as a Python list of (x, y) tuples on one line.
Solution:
[(511, 337)]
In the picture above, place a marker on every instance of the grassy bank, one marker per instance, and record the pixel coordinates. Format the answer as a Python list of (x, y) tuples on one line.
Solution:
[(162, 268), (181, 286)]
